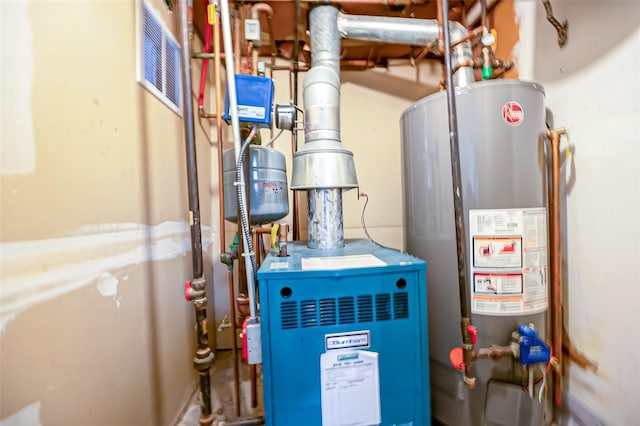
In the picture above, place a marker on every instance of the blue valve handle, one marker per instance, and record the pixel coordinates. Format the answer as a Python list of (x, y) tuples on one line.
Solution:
[(533, 349)]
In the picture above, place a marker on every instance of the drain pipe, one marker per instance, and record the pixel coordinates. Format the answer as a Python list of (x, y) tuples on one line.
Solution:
[(195, 290), (468, 331)]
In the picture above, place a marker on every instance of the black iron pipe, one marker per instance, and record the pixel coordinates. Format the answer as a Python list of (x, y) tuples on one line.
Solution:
[(204, 356), (458, 206)]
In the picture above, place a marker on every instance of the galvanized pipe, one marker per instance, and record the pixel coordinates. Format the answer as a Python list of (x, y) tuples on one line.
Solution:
[(325, 219), (458, 208), (418, 32), (327, 167), (323, 166)]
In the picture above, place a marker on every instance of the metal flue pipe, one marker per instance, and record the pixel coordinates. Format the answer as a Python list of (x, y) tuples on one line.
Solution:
[(458, 208), (323, 166), (197, 288), (416, 32)]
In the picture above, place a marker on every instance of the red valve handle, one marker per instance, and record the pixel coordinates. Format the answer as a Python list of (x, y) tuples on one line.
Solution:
[(473, 331), (187, 290)]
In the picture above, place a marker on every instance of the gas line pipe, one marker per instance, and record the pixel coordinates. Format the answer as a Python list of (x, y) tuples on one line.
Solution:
[(468, 331), (195, 290)]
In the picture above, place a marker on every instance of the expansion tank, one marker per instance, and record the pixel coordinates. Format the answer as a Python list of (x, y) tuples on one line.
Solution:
[(268, 191), (500, 127)]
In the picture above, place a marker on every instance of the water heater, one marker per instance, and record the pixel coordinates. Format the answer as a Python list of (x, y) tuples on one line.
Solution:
[(500, 128), (344, 337)]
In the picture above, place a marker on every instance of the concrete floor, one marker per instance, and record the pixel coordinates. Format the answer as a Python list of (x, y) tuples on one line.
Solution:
[(222, 392)]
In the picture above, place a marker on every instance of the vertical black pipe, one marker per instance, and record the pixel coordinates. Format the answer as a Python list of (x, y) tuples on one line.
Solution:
[(458, 207), (204, 356)]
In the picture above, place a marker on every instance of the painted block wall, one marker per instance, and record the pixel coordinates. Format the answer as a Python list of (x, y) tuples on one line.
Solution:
[(95, 242)]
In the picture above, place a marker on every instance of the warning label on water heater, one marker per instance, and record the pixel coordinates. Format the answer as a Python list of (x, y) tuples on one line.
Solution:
[(508, 261)]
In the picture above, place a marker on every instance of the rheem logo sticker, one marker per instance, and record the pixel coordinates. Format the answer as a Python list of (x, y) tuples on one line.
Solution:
[(512, 113)]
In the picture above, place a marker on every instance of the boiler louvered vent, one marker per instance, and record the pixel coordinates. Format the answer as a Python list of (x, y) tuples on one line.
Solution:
[(344, 310)]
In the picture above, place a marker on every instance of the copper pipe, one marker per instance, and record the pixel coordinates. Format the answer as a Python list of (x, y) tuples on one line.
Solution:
[(463, 64), (234, 342), (218, 116), (203, 114), (256, 247), (252, 367), (288, 68), (255, 14), (556, 260), (440, 18), (474, 33), (236, 41), (423, 52), (492, 352), (352, 2), (205, 55)]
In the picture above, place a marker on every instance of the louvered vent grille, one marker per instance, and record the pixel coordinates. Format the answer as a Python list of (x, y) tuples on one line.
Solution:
[(383, 307), (400, 305), (308, 313), (289, 315), (328, 312), (159, 60), (344, 310), (365, 308)]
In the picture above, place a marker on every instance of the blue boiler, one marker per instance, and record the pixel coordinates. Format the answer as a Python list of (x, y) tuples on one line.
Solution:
[(344, 337)]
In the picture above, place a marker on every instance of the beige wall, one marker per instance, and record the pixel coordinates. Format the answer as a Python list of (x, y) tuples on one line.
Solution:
[(593, 91), (94, 234)]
